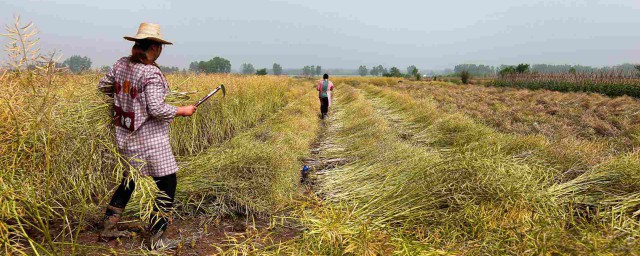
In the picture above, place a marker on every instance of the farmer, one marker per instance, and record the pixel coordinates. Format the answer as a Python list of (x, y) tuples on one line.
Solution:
[(324, 88), (142, 130)]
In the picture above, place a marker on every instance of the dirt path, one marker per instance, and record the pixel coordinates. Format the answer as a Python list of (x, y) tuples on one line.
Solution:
[(372, 134), (325, 152)]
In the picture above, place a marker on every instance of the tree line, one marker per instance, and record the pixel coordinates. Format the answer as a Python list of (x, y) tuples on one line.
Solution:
[(78, 64), (312, 70), (412, 72), (485, 70)]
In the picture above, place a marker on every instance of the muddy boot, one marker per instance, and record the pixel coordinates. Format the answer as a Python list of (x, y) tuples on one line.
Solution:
[(158, 232), (111, 219)]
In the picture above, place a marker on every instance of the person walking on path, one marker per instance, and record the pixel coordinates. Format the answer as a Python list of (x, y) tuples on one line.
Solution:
[(142, 119), (325, 87)]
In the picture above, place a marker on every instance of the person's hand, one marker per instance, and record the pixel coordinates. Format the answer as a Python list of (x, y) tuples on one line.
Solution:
[(186, 110)]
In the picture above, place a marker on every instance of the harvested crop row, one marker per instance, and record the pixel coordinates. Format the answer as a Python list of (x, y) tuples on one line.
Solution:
[(464, 187), (509, 201), (427, 198), (585, 129), (552, 114), (346, 222)]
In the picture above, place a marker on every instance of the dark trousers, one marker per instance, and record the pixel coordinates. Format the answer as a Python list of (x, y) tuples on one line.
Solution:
[(164, 203), (324, 106)]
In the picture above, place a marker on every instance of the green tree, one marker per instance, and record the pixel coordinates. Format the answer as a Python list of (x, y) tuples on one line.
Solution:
[(378, 70), (261, 72), (393, 72), (105, 69), (522, 68), (362, 70), (277, 69), (374, 71), (318, 70), (77, 63), (411, 69), (169, 70), (215, 65), (475, 70), (248, 69), (193, 67), (465, 76), (308, 70), (416, 74), (507, 71)]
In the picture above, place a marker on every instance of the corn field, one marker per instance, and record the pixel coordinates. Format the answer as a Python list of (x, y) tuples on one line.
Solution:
[(612, 83)]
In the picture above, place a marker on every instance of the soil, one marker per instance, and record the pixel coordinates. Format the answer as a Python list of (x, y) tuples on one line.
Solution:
[(198, 235)]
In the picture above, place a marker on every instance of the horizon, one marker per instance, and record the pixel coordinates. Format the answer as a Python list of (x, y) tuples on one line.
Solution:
[(337, 35)]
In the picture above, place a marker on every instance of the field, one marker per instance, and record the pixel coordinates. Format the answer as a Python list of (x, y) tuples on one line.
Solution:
[(612, 83), (598, 126), (399, 168)]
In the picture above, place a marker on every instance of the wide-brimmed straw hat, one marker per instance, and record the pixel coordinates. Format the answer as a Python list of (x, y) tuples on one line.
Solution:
[(148, 31)]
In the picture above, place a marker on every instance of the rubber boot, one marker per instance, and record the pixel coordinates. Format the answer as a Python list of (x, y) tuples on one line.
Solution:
[(158, 239), (110, 230)]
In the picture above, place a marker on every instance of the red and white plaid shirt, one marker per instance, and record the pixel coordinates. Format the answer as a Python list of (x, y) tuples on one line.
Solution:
[(141, 116)]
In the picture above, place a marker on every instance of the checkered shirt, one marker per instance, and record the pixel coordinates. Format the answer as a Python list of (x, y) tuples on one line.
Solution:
[(141, 115)]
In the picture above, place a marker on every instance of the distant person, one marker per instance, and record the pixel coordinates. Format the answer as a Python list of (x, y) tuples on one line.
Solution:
[(324, 88), (142, 130)]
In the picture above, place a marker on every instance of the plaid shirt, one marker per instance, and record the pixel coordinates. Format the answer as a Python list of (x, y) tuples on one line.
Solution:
[(141, 116)]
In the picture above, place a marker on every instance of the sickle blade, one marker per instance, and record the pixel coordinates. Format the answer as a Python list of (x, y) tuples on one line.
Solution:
[(221, 87)]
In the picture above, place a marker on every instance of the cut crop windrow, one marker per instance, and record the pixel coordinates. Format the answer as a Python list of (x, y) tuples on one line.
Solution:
[(590, 127), (467, 189), (358, 210), (523, 193)]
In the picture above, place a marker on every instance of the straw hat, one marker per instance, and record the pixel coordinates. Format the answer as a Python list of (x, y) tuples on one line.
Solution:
[(148, 31)]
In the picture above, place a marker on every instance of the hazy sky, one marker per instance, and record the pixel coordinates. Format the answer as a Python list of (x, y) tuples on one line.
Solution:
[(345, 34)]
